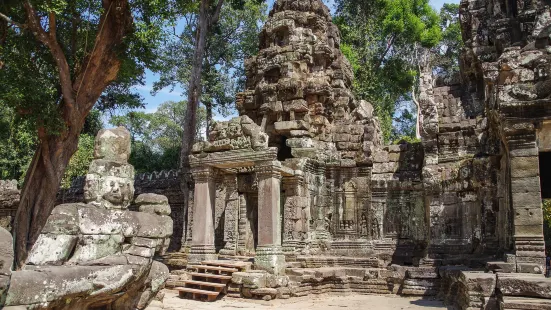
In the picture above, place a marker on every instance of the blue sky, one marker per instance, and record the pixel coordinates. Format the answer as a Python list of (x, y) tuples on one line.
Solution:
[(176, 94)]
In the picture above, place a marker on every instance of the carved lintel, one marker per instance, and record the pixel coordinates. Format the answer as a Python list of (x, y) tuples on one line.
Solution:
[(202, 174), (268, 169)]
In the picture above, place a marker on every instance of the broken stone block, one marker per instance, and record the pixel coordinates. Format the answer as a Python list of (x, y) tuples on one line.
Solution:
[(527, 285), (252, 280), (52, 249)]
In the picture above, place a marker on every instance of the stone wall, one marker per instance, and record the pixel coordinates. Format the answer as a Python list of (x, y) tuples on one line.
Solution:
[(166, 183), (467, 208), (9, 199), (505, 69)]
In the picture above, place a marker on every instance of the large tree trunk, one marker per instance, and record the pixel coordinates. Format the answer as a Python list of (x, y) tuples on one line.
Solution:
[(80, 93), (208, 106), (41, 185), (194, 94)]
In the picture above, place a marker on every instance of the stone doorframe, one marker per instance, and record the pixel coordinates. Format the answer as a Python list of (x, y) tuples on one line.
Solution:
[(269, 255)]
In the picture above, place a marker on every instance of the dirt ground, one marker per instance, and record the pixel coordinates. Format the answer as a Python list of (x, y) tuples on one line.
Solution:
[(312, 302)]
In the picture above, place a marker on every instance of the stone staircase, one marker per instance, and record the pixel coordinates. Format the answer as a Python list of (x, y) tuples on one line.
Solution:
[(209, 279)]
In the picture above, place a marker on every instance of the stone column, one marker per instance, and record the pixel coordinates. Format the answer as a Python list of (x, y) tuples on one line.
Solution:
[(269, 255), (202, 244), (526, 199)]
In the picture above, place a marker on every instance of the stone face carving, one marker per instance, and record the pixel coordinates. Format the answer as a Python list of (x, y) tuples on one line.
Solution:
[(303, 174), (103, 250)]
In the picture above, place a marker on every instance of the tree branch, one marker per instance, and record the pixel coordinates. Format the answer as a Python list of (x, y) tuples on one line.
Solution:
[(389, 45), (214, 19), (46, 152), (52, 26), (102, 65), (51, 43), (11, 22)]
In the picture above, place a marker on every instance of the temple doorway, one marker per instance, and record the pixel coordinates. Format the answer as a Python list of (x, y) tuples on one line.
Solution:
[(250, 236), (545, 184)]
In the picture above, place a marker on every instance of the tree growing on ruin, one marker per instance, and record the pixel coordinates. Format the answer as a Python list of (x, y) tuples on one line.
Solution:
[(57, 60), (379, 39), (230, 41), (212, 43)]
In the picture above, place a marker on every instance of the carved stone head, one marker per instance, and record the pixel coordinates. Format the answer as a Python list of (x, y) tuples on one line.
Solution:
[(110, 180)]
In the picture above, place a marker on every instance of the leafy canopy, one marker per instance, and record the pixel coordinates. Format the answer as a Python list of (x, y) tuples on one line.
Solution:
[(379, 38), (229, 42), (156, 137)]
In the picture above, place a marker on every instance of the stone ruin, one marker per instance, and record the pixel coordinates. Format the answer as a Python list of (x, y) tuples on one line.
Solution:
[(9, 200), (94, 255), (302, 184)]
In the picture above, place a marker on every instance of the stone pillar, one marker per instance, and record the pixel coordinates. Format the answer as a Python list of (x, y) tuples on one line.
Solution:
[(202, 244), (269, 255), (526, 199)]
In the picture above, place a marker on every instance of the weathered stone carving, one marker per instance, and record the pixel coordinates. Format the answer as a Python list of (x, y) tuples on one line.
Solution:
[(96, 254), (302, 174), (9, 199)]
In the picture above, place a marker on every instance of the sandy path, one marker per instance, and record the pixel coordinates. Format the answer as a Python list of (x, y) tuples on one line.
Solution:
[(312, 302)]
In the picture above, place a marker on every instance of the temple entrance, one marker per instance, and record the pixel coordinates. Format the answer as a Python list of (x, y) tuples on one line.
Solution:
[(545, 184), (545, 174), (283, 151), (251, 228), (248, 218)]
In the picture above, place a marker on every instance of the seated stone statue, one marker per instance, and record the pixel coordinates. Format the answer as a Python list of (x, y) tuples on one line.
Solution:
[(96, 255)]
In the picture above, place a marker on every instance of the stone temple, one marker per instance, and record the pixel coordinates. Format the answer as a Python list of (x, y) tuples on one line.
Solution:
[(299, 195)]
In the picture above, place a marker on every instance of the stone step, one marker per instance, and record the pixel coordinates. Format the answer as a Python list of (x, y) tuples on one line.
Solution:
[(526, 303), (196, 294), (212, 268), (216, 286), (210, 276), (229, 264), (236, 258)]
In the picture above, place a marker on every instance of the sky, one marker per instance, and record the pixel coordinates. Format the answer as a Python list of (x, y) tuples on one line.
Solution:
[(176, 94)]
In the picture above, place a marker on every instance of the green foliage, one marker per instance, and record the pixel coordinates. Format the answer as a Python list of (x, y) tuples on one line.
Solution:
[(547, 211), (546, 206), (446, 56), (230, 41), (78, 166), (37, 99), (30, 91), (17, 145), (156, 137), (379, 39)]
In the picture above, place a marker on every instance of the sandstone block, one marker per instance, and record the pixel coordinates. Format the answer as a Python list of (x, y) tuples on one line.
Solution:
[(250, 279), (52, 249), (524, 285), (151, 199)]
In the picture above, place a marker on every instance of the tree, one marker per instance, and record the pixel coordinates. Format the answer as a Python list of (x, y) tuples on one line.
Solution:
[(17, 144), (378, 37), (78, 52), (206, 20), (446, 53), (80, 161), (156, 137), (230, 41)]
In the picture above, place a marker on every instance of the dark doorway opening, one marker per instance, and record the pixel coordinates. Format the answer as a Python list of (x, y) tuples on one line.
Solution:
[(545, 186), (284, 151), (545, 174)]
